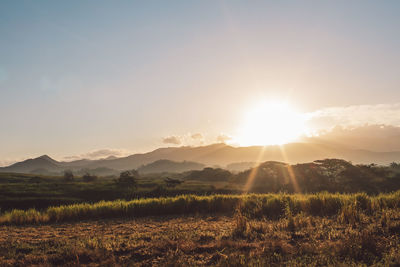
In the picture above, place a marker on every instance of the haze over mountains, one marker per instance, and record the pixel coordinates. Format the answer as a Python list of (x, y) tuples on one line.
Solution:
[(185, 158), (382, 138), (164, 165)]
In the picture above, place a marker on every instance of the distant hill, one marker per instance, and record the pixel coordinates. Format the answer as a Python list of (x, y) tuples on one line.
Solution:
[(222, 154), (170, 166), (42, 163), (216, 154)]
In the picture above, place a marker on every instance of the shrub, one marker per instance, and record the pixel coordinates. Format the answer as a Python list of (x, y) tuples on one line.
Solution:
[(172, 182), (87, 177), (127, 178), (68, 176)]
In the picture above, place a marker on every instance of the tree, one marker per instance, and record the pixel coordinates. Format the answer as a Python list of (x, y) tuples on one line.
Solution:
[(87, 177), (394, 165), (172, 182), (68, 175), (128, 178)]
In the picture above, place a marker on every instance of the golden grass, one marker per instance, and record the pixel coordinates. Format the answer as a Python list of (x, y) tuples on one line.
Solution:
[(273, 206)]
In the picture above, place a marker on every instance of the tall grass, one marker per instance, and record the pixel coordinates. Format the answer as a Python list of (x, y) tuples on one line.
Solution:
[(273, 206)]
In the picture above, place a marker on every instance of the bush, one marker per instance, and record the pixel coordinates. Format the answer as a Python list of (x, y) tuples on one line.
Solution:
[(89, 178), (68, 176), (172, 182), (128, 178)]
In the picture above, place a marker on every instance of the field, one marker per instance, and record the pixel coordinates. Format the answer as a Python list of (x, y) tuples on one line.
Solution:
[(207, 240), (24, 191), (206, 218), (314, 229)]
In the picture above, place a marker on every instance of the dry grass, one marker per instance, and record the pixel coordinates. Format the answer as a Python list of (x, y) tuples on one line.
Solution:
[(255, 230), (301, 240)]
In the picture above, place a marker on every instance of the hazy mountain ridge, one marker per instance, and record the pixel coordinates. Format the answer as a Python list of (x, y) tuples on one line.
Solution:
[(216, 154), (164, 165), (380, 138)]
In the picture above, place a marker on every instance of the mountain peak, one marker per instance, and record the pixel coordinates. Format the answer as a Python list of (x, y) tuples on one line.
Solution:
[(46, 158)]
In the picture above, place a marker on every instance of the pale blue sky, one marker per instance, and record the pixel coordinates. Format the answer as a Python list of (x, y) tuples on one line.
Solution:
[(77, 76)]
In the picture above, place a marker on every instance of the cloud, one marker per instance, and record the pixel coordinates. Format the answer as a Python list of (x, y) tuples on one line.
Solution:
[(188, 139), (195, 139), (355, 116), (100, 154), (197, 136), (106, 153), (371, 127), (222, 138), (175, 140)]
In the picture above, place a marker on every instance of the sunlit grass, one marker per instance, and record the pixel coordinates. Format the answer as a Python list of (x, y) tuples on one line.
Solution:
[(273, 206)]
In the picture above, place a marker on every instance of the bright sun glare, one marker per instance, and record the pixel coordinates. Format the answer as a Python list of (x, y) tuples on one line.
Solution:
[(271, 123)]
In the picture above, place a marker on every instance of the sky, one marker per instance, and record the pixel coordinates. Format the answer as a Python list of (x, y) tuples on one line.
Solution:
[(81, 78)]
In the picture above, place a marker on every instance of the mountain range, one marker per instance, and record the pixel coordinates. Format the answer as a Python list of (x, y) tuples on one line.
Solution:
[(211, 155)]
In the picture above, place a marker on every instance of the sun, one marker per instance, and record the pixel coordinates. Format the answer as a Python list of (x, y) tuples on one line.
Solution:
[(271, 123)]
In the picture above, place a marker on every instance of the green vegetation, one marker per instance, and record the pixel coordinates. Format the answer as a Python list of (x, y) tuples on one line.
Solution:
[(25, 191), (210, 175), (332, 175), (87, 177), (68, 176), (271, 206)]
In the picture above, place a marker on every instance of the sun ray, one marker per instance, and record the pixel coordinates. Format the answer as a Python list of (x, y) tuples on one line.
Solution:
[(291, 173), (254, 171)]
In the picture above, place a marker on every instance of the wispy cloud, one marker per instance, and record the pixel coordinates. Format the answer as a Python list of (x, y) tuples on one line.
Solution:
[(173, 140), (355, 116), (5, 162), (197, 136), (188, 139), (99, 154), (222, 138)]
